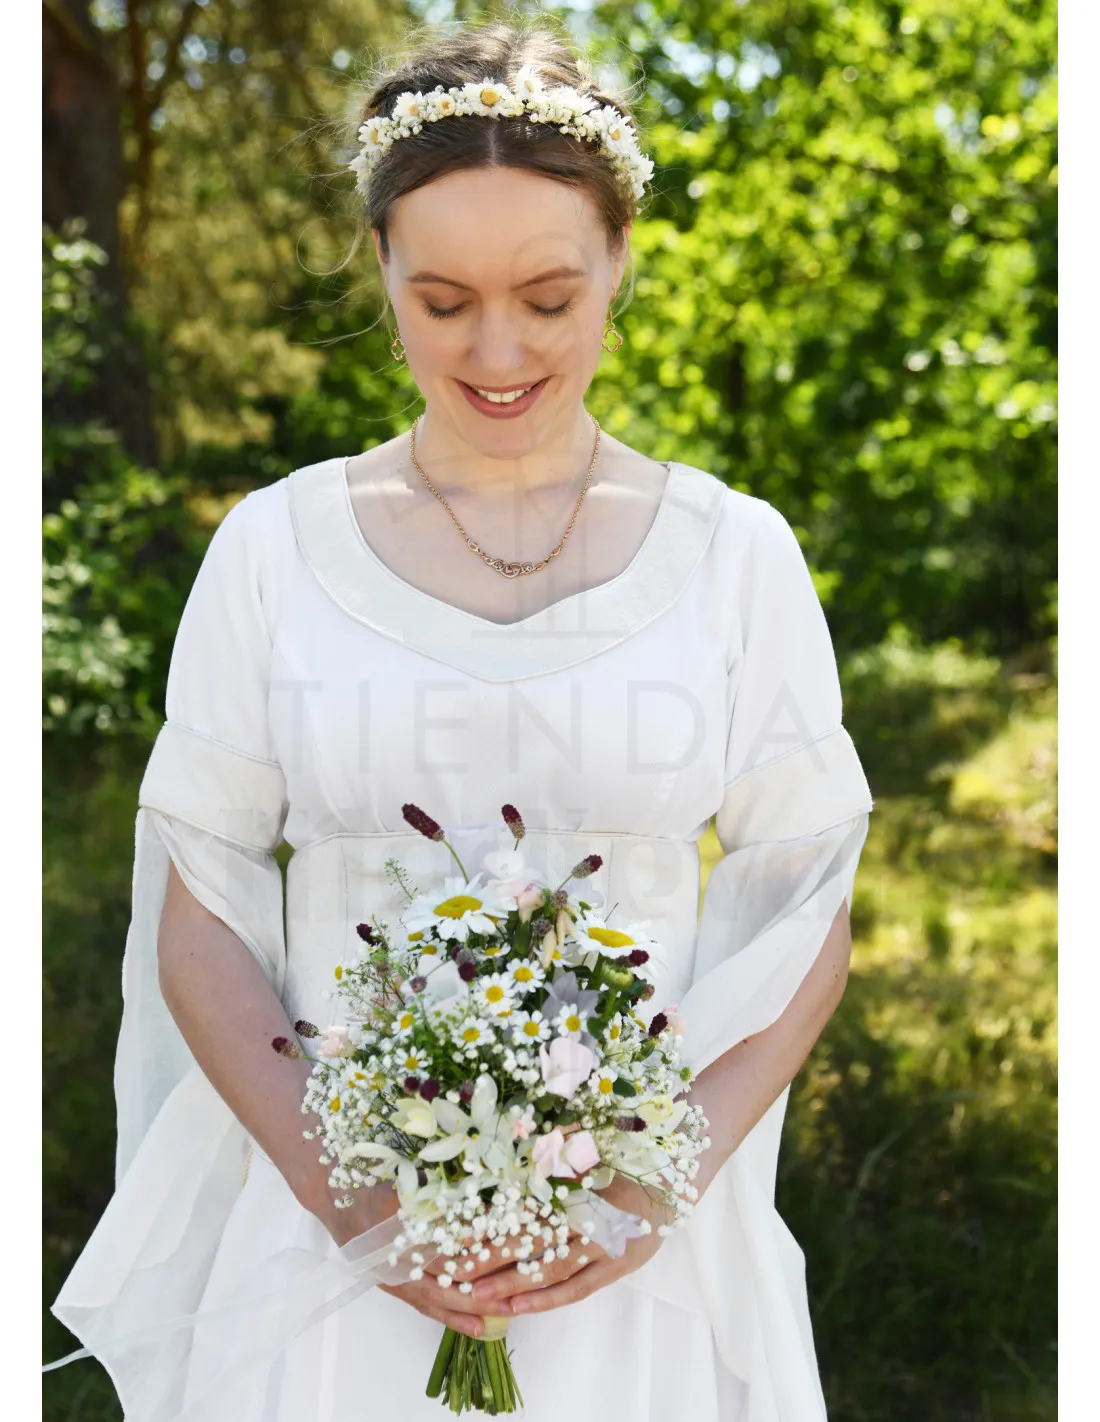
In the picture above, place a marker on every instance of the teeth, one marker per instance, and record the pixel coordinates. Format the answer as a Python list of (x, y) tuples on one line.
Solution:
[(508, 399)]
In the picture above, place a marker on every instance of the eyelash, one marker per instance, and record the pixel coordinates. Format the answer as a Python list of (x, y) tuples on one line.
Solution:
[(441, 313)]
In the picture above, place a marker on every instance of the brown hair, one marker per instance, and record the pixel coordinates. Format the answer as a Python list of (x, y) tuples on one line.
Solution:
[(497, 50)]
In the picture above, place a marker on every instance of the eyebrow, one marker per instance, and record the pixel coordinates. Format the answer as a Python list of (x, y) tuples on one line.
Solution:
[(531, 281)]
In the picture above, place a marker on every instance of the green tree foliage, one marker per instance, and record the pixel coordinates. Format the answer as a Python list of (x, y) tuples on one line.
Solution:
[(119, 554), (846, 292)]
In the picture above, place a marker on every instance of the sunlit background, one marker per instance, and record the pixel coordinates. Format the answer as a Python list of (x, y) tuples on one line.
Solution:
[(845, 304)]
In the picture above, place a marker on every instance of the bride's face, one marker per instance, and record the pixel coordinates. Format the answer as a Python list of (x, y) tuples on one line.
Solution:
[(500, 278)]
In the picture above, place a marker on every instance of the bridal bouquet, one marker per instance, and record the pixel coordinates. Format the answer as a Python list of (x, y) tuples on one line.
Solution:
[(494, 1067)]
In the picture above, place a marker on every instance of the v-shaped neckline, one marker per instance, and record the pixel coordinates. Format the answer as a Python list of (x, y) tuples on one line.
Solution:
[(559, 635), (430, 602)]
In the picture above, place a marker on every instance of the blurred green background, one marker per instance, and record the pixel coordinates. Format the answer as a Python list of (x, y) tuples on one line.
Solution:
[(845, 303)]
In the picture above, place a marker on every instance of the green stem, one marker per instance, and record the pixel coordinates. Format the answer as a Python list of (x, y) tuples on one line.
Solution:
[(458, 861), (496, 1382), (442, 1361), (455, 1397)]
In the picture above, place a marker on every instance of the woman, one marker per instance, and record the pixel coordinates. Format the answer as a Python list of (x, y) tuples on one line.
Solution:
[(401, 626)]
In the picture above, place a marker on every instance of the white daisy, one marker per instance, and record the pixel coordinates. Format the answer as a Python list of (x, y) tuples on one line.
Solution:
[(485, 97), (570, 1023), (527, 83), (595, 936), (462, 907), (409, 108), (375, 136), (602, 1082), (472, 1032), (526, 975), (495, 992), (404, 1022), (415, 1061), (442, 104), (529, 1027)]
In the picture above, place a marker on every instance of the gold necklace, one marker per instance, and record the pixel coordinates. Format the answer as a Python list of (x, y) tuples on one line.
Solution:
[(509, 570)]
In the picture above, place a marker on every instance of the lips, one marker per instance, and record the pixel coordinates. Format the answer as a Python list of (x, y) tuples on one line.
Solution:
[(495, 410)]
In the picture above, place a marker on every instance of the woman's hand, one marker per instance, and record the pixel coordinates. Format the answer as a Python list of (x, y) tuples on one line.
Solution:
[(584, 1270), (447, 1305)]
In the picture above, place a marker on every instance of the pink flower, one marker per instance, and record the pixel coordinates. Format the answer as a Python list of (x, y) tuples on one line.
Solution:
[(565, 1064), (676, 1024), (581, 1152), (548, 1155), (335, 1043), (564, 1156)]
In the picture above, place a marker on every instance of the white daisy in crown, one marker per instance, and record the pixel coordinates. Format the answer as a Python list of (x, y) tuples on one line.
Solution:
[(375, 136), (527, 83), (410, 109)]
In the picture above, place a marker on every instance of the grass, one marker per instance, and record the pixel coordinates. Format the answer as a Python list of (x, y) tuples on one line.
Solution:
[(918, 1165)]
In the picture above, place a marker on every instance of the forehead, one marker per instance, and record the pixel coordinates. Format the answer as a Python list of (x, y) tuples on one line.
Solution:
[(495, 226)]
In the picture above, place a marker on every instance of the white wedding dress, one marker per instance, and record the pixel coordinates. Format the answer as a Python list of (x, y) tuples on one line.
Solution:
[(312, 693)]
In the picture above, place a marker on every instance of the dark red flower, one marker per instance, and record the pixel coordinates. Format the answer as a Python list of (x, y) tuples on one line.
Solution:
[(422, 822), (430, 1089), (286, 1048), (418, 984), (366, 932), (637, 958), (658, 1025), (306, 1029), (466, 1091), (512, 820), (587, 866), (467, 971), (412, 1085)]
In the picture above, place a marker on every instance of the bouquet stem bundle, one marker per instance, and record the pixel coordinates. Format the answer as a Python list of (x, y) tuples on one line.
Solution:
[(475, 1372)]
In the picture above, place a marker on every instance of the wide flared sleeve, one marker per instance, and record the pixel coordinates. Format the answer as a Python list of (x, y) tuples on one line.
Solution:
[(791, 824), (793, 816), (213, 800)]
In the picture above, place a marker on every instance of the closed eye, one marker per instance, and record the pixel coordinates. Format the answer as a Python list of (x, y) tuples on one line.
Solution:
[(442, 312)]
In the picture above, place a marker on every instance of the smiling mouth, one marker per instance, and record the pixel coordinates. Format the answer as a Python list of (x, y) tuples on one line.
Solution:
[(508, 397)]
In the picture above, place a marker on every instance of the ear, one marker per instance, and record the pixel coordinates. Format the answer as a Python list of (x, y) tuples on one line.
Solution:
[(624, 253), (378, 251)]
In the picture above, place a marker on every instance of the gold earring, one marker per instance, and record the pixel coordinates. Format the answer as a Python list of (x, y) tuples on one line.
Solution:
[(398, 355), (610, 330)]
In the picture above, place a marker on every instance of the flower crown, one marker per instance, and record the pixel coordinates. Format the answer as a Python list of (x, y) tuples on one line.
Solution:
[(560, 105)]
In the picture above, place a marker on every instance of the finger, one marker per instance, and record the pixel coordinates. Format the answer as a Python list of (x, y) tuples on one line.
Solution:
[(509, 1282), (430, 1292), (578, 1286), (468, 1323), (471, 1266)]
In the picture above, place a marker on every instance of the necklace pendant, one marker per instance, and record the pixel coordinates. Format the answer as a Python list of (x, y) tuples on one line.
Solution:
[(512, 570)]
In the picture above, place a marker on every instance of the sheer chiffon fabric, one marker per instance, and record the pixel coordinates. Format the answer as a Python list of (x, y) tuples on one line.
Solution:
[(299, 708)]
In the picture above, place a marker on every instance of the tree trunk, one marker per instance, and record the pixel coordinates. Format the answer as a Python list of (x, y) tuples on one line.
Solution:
[(84, 177)]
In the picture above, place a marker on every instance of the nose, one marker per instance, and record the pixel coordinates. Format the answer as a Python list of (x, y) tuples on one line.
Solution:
[(499, 345)]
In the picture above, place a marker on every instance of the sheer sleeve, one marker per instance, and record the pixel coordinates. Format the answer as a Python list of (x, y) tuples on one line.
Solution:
[(213, 800), (793, 818), (791, 825)]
